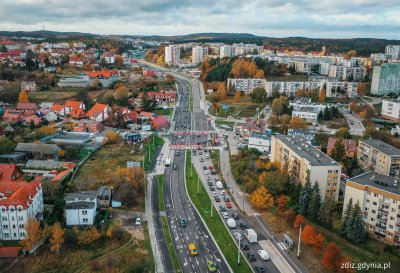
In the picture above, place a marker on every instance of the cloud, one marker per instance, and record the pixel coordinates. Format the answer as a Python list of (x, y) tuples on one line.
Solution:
[(275, 18)]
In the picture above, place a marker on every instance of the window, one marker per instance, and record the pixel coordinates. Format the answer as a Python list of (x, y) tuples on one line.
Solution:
[(12, 218), (14, 226), (375, 195), (391, 218), (15, 234), (372, 219), (22, 234), (84, 212), (21, 226), (6, 235), (5, 226), (19, 209), (366, 209), (12, 209), (85, 220), (4, 218), (390, 226), (20, 218), (389, 235), (3, 209), (374, 203)]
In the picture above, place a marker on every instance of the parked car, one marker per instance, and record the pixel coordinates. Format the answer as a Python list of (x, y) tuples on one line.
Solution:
[(204, 168), (244, 245), (201, 160), (138, 221), (238, 236), (214, 194), (212, 189), (251, 256), (217, 199), (223, 192), (227, 199), (235, 215), (260, 269), (228, 205), (225, 215), (210, 183), (213, 172), (222, 207), (243, 226)]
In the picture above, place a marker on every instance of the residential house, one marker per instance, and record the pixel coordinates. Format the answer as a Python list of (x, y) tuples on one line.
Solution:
[(89, 126), (27, 107), (261, 142), (58, 109), (76, 61), (32, 118), (159, 123), (143, 116), (379, 198), (376, 155), (391, 109), (80, 208), (50, 116), (104, 196), (252, 125), (29, 86), (10, 172), (105, 77), (162, 97), (99, 112), (77, 113), (350, 145), (70, 104), (12, 116), (38, 151)]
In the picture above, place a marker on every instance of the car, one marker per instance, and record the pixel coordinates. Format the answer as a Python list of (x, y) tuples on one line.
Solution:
[(177, 153), (263, 254), (225, 215), (183, 141), (235, 215), (183, 222), (238, 236), (138, 222), (244, 245), (243, 226), (216, 179), (193, 250), (200, 153), (207, 157), (227, 199), (260, 269), (213, 172), (212, 189), (201, 160), (222, 208), (223, 192), (174, 167), (208, 178), (217, 199), (211, 266), (228, 205), (206, 172), (251, 256), (214, 194), (210, 183), (205, 168)]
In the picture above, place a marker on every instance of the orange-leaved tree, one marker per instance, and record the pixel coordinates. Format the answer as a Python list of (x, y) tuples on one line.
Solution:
[(34, 234), (299, 220), (57, 237), (308, 235), (332, 258), (262, 199), (23, 96)]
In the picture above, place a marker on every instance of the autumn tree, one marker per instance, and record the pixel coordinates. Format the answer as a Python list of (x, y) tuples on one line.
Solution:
[(299, 220), (289, 216), (121, 93), (332, 258), (222, 91), (243, 68), (308, 235), (88, 236), (112, 137), (299, 93), (282, 201), (362, 88), (57, 237), (284, 122), (280, 105), (170, 79), (237, 96), (61, 153), (318, 242), (133, 176), (23, 96), (262, 199), (89, 66), (349, 54), (297, 123), (322, 95), (33, 234), (343, 133), (119, 60), (259, 95)]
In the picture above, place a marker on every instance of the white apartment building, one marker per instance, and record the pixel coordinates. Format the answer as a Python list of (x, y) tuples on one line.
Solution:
[(391, 109), (80, 208), (301, 66), (392, 52), (246, 85), (378, 58), (379, 198), (258, 141), (309, 114), (19, 201), (350, 88), (336, 71), (306, 102), (300, 157), (226, 51), (324, 68), (172, 54), (198, 54), (355, 72)]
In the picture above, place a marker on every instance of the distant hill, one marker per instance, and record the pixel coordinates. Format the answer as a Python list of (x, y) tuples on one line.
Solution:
[(47, 34)]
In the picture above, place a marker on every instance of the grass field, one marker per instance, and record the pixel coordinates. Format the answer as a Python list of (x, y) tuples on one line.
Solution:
[(202, 202), (160, 179), (246, 108), (163, 112), (224, 122), (170, 245), (149, 150)]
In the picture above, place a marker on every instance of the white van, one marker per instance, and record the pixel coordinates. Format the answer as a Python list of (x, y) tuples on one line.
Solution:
[(263, 255)]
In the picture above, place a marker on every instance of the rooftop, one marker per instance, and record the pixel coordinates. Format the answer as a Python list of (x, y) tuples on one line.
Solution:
[(80, 205), (44, 164), (381, 146), (80, 195), (300, 145), (260, 136), (377, 180), (306, 109), (37, 148)]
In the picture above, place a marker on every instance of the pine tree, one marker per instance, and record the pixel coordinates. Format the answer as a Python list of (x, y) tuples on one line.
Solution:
[(338, 151), (315, 203), (345, 217), (305, 195), (325, 214), (355, 228)]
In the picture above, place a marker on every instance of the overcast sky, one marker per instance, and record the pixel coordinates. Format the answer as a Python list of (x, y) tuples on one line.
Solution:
[(274, 18)]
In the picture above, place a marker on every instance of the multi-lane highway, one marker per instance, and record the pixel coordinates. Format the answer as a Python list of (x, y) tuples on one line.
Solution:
[(177, 203)]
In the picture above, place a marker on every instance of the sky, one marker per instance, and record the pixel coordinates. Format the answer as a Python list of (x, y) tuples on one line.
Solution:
[(272, 18)]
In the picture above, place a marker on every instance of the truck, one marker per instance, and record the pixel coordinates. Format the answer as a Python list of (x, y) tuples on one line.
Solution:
[(231, 223), (251, 235), (219, 185)]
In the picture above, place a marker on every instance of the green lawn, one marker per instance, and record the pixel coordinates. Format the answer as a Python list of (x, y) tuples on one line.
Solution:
[(147, 246), (163, 112), (160, 179), (149, 150), (224, 122), (170, 245), (202, 202)]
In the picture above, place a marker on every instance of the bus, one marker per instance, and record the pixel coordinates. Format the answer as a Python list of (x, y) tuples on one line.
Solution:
[(167, 162)]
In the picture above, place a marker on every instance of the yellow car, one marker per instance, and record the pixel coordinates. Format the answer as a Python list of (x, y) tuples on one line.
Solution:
[(212, 267), (193, 250)]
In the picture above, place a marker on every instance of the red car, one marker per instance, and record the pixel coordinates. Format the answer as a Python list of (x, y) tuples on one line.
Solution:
[(228, 205), (210, 168)]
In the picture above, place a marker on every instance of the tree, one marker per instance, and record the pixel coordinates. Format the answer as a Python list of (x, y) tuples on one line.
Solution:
[(299, 220), (262, 199), (170, 79), (89, 66), (88, 236), (315, 202), (237, 96), (119, 60), (57, 237), (355, 229), (33, 234), (349, 54), (112, 137), (299, 93), (332, 258), (325, 215), (243, 68), (308, 235), (322, 95), (338, 151), (345, 218), (222, 91), (6, 145), (83, 96), (305, 196), (343, 132), (61, 153), (259, 95), (281, 202), (297, 123), (121, 93), (23, 96), (276, 182), (289, 216), (318, 242)]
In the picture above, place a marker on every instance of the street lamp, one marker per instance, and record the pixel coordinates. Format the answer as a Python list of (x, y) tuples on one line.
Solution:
[(238, 260), (298, 245)]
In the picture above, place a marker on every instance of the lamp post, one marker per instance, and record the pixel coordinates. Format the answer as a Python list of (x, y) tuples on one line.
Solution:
[(211, 208), (198, 185), (238, 260), (298, 245)]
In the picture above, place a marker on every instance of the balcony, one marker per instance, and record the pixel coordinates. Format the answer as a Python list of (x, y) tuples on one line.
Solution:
[(381, 226)]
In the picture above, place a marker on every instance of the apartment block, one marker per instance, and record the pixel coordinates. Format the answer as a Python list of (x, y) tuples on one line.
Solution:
[(246, 85), (300, 157), (379, 198), (392, 52), (386, 79), (227, 51), (198, 54), (391, 109), (172, 54), (376, 155)]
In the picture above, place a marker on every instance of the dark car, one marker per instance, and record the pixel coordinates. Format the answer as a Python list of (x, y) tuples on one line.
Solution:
[(244, 246), (212, 188), (251, 256), (183, 222), (205, 168), (260, 269), (235, 215), (213, 172), (243, 226), (177, 153), (227, 199), (217, 199), (210, 183), (174, 167)]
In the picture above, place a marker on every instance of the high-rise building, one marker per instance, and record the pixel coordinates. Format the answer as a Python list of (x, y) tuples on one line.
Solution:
[(392, 52), (386, 79), (226, 51), (172, 54), (198, 54), (302, 159)]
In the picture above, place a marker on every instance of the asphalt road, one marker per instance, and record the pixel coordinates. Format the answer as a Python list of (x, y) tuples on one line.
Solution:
[(177, 203)]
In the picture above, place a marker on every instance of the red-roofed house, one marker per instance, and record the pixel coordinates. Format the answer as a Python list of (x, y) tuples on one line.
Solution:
[(159, 123), (19, 201), (351, 146), (163, 97), (71, 104), (99, 112), (7, 252), (28, 119), (58, 109), (105, 74), (12, 116), (76, 61), (27, 106), (10, 172), (90, 126), (146, 115), (77, 113)]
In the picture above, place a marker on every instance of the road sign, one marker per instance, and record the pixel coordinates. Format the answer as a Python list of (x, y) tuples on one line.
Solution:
[(132, 164), (225, 107)]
